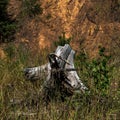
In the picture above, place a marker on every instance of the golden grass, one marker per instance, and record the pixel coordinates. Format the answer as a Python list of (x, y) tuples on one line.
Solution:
[(21, 99)]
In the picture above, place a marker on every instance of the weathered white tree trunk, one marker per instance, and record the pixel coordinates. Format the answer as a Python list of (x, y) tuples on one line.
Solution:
[(59, 73)]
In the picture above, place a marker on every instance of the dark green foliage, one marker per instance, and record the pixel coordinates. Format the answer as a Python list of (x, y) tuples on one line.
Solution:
[(63, 40), (7, 26), (7, 31), (97, 74), (3, 6), (32, 8), (97, 71)]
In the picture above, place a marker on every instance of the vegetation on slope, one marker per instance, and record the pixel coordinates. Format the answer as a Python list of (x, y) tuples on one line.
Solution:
[(21, 99), (7, 26)]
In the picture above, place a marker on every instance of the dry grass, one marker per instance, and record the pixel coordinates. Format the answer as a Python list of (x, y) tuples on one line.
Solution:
[(21, 99)]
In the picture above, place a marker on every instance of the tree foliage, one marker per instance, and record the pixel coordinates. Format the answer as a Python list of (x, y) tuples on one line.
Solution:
[(31, 8), (7, 26)]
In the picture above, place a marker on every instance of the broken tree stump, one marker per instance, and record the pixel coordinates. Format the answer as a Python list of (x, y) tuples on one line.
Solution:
[(60, 73)]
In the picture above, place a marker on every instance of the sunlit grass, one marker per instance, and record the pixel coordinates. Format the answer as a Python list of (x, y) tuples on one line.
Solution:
[(21, 99)]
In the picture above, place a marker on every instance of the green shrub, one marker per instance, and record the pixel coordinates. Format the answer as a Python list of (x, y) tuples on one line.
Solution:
[(3, 7), (100, 72), (7, 26), (97, 71), (62, 40), (32, 8), (96, 75)]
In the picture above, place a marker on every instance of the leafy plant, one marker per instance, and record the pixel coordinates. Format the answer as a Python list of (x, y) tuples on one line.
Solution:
[(32, 8), (96, 74), (97, 70), (63, 40)]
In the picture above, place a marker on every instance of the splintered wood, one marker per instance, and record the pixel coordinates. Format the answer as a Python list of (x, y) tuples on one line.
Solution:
[(59, 73)]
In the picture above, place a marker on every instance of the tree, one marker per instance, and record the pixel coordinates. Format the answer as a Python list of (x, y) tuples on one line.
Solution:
[(7, 26)]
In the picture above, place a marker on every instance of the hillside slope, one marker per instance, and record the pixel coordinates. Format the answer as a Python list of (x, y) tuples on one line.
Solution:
[(90, 23)]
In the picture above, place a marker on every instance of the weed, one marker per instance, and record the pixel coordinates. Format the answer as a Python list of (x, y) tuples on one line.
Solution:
[(62, 40), (99, 75), (32, 8), (20, 99)]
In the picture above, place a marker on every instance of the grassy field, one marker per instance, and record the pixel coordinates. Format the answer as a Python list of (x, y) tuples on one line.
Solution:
[(21, 99)]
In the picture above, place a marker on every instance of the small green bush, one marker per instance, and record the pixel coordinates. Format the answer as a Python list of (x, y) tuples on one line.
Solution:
[(32, 8), (62, 40), (96, 74), (97, 71), (101, 72)]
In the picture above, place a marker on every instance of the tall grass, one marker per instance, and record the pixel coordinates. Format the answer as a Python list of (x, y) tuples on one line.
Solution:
[(21, 99)]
